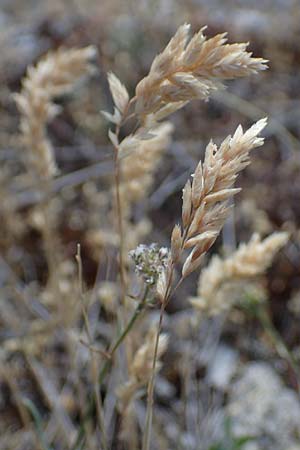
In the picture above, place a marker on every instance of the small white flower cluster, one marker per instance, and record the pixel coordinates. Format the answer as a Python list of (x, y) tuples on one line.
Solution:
[(150, 261)]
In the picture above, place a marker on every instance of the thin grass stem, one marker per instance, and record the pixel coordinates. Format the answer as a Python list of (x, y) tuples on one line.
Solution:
[(94, 370), (106, 366)]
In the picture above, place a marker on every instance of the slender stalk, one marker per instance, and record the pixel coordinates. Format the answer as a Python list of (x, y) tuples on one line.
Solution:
[(120, 219), (150, 393), (106, 366), (119, 209), (117, 177), (149, 416), (122, 336), (50, 239), (94, 370)]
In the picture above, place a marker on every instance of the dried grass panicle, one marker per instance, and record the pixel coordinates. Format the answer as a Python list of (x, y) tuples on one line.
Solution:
[(191, 68), (205, 200), (54, 75), (247, 262), (185, 70)]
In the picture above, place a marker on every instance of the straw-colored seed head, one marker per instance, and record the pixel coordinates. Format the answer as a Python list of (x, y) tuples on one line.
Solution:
[(55, 74), (191, 68), (219, 280), (205, 201)]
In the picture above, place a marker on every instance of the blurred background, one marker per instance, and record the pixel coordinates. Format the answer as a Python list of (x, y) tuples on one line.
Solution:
[(128, 34)]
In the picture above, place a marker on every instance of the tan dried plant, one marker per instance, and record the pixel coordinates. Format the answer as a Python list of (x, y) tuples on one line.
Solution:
[(191, 69), (218, 280), (204, 211), (205, 200), (186, 70), (183, 71), (54, 75)]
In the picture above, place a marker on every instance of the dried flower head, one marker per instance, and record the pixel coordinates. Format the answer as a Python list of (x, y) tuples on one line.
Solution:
[(191, 68), (150, 261), (205, 200), (223, 277), (54, 75)]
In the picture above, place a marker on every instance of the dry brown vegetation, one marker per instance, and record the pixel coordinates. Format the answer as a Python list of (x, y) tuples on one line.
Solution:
[(115, 200)]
